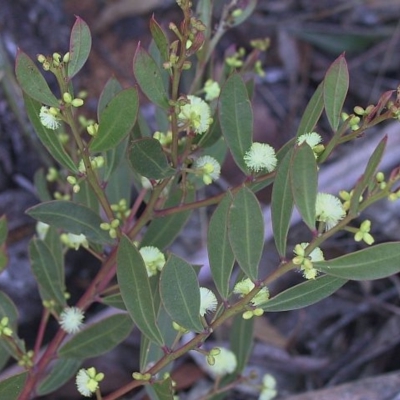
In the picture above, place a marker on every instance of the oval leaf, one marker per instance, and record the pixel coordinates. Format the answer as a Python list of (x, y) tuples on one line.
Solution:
[(116, 120), (282, 204), (149, 78), (219, 249), (304, 182), (11, 387), (236, 118), (98, 338), (160, 38), (110, 90), (71, 217), (374, 262), (180, 293), (336, 85), (48, 276), (246, 231), (136, 291), (368, 175), (147, 157), (312, 113), (60, 374), (304, 294), (79, 47), (32, 82), (241, 338), (48, 137)]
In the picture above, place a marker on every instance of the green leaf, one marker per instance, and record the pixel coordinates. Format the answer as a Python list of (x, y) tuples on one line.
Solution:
[(8, 309), (53, 242), (180, 293), (163, 390), (110, 90), (48, 137), (4, 356), (304, 182), (163, 231), (113, 159), (11, 388), (32, 82), (98, 338), (114, 300), (246, 231), (147, 157), (312, 113), (79, 47), (336, 85), (148, 77), (282, 204), (87, 197), (150, 353), (116, 120), (236, 118), (71, 217), (117, 188), (241, 339), (3, 229), (40, 182), (219, 248), (61, 372), (160, 38), (136, 291), (3, 247), (304, 294), (367, 177), (375, 262), (51, 283)]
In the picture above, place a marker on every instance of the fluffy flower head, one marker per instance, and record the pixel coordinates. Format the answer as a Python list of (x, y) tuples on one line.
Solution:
[(209, 168), (211, 89), (153, 259), (71, 319), (87, 381), (224, 362), (74, 241), (311, 138), (208, 301), (329, 209), (260, 156), (195, 115), (245, 286), (48, 117)]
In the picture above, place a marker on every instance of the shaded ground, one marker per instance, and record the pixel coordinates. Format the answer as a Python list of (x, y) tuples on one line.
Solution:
[(350, 336)]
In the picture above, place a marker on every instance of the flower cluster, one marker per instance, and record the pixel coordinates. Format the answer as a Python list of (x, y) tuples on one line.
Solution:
[(74, 241), (87, 381), (329, 210), (71, 319), (221, 361), (50, 117), (260, 156), (195, 115), (313, 139), (306, 262), (208, 167), (363, 233), (268, 389), (153, 259), (208, 301)]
